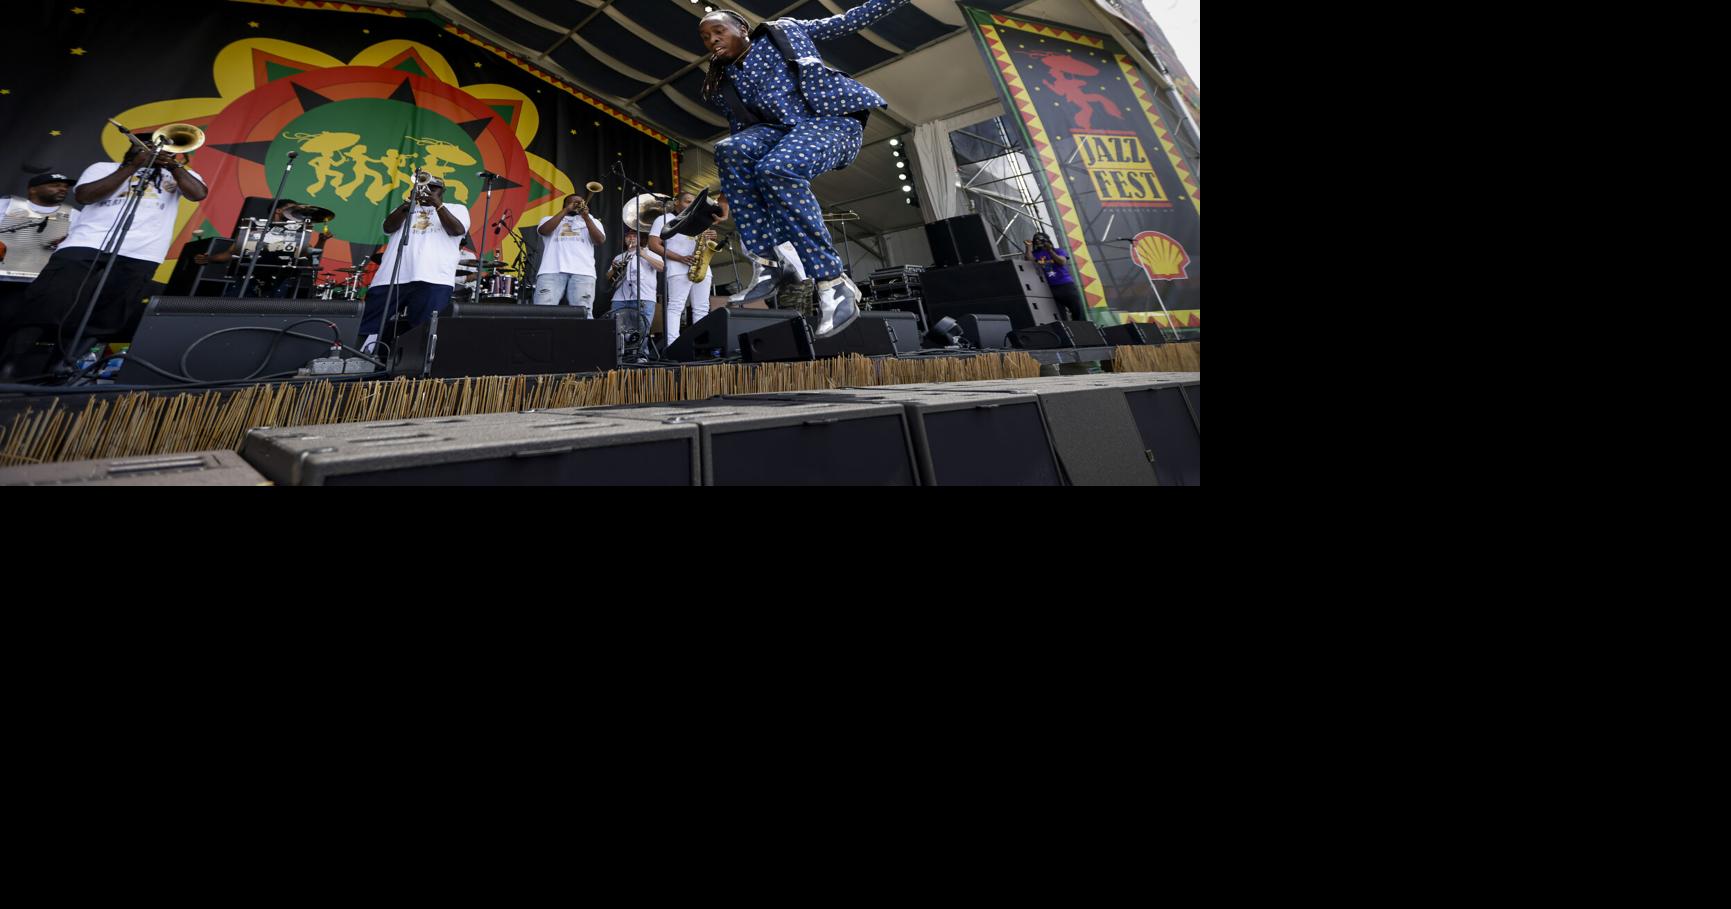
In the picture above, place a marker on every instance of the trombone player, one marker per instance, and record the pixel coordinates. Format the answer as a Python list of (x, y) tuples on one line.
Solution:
[(51, 305)]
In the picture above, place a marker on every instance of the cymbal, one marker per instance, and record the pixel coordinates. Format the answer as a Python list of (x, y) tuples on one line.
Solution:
[(468, 261), (311, 213), (355, 270)]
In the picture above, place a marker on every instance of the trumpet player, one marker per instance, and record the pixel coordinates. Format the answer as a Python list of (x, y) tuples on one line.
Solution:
[(570, 237), (421, 257), (683, 250)]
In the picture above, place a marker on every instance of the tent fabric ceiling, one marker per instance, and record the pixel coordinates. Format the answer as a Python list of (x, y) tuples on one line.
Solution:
[(635, 38), (638, 34)]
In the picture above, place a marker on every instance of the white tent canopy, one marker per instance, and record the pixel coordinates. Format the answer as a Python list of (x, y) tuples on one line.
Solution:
[(644, 57)]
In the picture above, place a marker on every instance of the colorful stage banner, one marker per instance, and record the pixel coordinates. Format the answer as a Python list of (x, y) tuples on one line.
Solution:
[(364, 96), (1128, 206)]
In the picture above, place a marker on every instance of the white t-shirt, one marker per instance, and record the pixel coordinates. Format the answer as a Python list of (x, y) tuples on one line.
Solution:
[(153, 226), (41, 225), (430, 255), (681, 244), (644, 280), (569, 249)]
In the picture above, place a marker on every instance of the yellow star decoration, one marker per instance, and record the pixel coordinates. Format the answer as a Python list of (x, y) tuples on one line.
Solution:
[(477, 66), (573, 132), (5, 91), (78, 11), (78, 52), (366, 31), (252, 25), (54, 132)]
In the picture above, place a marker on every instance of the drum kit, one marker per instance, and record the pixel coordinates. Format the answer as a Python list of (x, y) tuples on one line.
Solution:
[(343, 284), (491, 281), (286, 250)]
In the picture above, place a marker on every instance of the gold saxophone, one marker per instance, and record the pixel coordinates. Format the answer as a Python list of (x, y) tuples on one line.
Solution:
[(700, 260)]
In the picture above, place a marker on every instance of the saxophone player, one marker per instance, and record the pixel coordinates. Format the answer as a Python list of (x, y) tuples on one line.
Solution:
[(684, 250)]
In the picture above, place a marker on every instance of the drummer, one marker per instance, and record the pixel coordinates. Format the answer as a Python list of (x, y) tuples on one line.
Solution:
[(468, 271), (287, 224)]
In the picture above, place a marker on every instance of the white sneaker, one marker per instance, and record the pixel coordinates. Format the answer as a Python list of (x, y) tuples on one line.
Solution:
[(768, 276), (837, 305)]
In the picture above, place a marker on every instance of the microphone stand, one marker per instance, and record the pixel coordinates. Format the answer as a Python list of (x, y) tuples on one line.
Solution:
[(635, 284), (269, 219), (487, 179)]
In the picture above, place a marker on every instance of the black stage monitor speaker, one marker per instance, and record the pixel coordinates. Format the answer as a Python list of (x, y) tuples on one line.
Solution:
[(224, 340), (198, 468), (781, 340), (793, 443), (959, 241), (1170, 432), (875, 334), (717, 334), (1010, 287), (1084, 333), (961, 439), (506, 339), (986, 331), (1131, 333), (577, 448), (1052, 335)]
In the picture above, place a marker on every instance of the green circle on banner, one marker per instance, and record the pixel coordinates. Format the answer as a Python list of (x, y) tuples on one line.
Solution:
[(358, 159)]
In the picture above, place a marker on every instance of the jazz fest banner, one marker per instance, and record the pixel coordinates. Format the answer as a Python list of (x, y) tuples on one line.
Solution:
[(363, 95), (1127, 206)]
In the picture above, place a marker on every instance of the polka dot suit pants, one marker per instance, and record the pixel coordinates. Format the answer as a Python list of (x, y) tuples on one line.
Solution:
[(766, 172)]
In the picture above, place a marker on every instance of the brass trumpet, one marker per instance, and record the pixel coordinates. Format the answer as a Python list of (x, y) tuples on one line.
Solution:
[(583, 204)]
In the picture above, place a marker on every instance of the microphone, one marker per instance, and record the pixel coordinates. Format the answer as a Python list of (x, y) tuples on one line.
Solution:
[(487, 175), (291, 155), (135, 140)]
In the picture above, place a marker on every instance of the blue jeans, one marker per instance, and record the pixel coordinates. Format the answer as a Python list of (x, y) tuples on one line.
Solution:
[(634, 315), (578, 290), (418, 297)]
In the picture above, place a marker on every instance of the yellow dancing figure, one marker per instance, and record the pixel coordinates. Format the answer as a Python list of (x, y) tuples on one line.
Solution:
[(361, 172), (440, 152), (396, 167), (329, 148)]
